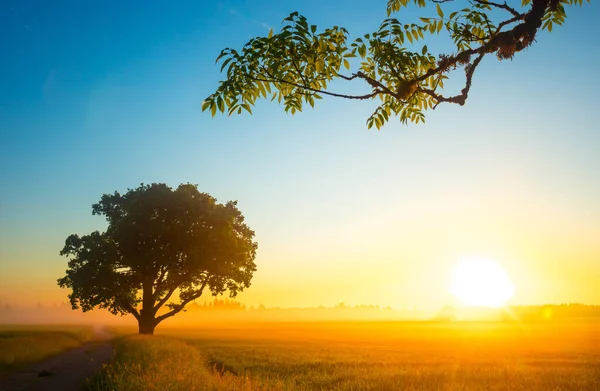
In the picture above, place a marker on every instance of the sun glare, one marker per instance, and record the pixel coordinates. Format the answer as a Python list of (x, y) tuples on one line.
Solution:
[(480, 282)]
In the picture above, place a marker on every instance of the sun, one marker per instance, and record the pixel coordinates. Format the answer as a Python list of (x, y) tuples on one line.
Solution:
[(481, 282)]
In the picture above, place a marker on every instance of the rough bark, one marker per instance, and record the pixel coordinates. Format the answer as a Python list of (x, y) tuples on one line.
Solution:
[(146, 325)]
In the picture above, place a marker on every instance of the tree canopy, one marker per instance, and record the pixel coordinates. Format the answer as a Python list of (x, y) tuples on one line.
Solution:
[(162, 247), (296, 65)]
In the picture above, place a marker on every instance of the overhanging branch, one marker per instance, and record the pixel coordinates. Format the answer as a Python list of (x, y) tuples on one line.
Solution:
[(272, 79), (462, 97), (505, 43), (503, 6)]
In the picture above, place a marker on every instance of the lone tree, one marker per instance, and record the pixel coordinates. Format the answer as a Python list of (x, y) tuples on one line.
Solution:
[(297, 64), (160, 244)]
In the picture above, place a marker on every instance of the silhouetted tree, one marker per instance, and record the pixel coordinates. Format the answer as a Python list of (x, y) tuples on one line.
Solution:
[(297, 64), (160, 243)]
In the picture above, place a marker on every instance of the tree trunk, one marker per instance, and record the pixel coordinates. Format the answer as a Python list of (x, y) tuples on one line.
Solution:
[(146, 325)]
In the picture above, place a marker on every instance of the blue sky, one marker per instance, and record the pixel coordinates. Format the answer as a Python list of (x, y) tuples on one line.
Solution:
[(100, 96)]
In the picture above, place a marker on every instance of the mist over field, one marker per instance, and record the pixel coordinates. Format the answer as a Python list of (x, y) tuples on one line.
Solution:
[(219, 310)]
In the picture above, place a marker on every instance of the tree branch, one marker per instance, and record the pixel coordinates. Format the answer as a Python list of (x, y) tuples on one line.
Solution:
[(504, 6), (390, 68), (162, 301), (520, 37), (297, 68), (132, 310), (507, 22), (183, 303), (160, 279), (374, 83), (354, 76), (462, 97), (378, 88), (272, 79)]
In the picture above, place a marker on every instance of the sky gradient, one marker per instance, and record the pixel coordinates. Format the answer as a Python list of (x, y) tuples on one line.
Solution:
[(103, 96)]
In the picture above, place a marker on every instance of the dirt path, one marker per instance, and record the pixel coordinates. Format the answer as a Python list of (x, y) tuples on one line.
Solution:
[(66, 371)]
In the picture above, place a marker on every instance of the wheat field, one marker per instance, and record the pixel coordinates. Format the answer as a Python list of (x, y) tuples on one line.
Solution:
[(360, 356)]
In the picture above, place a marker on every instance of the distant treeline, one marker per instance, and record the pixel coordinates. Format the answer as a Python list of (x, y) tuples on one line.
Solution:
[(229, 304), (524, 312), (234, 310), (556, 311)]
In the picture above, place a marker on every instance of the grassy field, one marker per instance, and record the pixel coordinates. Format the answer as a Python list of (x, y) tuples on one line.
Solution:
[(361, 356), (20, 345)]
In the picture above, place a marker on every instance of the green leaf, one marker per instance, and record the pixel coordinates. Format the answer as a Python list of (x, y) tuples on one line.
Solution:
[(362, 51), (227, 61), (205, 105), (424, 50), (415, 35), (346, 64), (319, 65), (439, 11), (246, 107)]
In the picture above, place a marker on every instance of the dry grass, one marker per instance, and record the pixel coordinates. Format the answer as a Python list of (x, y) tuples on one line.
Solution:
[(157, 364), (20, 345), (363, 356)]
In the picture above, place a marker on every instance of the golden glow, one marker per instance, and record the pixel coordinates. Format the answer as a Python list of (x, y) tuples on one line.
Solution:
[(481, 282)]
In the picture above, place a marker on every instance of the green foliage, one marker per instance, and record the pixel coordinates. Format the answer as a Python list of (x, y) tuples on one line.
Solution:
[(296, 65), (159, 241)]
